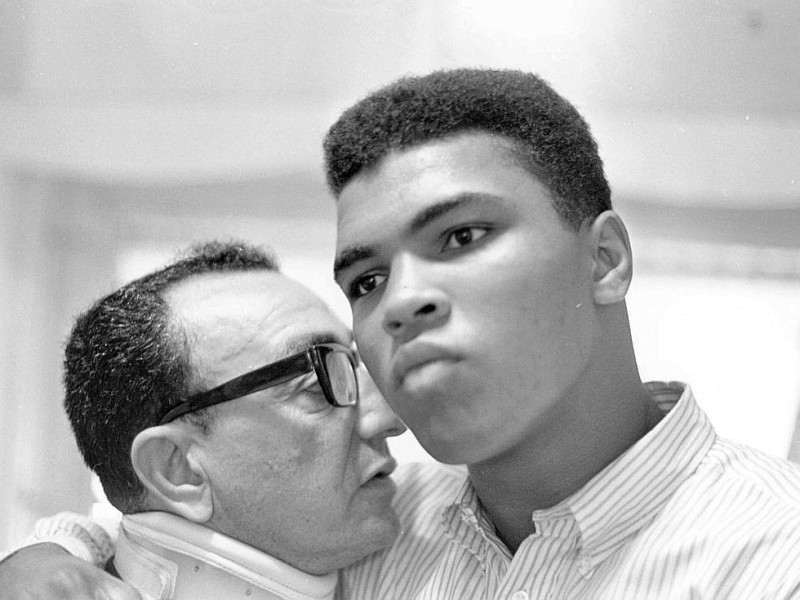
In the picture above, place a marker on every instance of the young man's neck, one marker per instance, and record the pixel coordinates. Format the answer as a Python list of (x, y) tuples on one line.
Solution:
[(540, 473)]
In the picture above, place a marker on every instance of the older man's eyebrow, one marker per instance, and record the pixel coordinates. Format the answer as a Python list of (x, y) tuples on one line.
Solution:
[(305, 341)]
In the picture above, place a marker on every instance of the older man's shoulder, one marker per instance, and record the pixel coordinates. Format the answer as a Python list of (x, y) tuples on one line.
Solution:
[(424, 488)]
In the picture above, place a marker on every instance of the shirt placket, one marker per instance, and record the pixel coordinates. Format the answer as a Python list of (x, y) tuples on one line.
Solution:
[(542, 562)]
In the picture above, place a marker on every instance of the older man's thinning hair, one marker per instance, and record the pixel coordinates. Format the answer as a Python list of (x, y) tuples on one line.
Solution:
[(127, 362)]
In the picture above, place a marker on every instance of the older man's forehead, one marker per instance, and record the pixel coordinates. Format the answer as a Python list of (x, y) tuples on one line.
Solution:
[(260, 317), (304, 319)]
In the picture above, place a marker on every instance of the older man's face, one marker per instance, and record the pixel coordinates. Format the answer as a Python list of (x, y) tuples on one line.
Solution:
[(291, 475)]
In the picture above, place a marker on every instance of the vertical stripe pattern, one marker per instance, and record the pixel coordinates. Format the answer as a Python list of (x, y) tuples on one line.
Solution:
[(682, 514)]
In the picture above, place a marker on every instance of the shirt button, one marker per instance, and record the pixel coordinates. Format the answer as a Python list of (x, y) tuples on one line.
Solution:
[(519, 595), (586, 568)]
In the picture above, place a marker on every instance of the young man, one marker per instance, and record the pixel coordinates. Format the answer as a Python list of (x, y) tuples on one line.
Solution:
[(218, 402), (487, 277), (487, 274)]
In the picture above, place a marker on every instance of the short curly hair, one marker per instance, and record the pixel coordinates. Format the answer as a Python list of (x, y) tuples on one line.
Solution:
[(127, 362), (551, 138)]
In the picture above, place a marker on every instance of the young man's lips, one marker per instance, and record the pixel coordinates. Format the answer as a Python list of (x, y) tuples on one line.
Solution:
[(414, 355)]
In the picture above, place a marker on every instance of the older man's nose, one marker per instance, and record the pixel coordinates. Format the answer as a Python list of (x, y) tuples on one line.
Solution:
[(376, 418)]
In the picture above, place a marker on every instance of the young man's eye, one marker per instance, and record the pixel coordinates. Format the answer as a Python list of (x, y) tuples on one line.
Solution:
[(365, 284), (463, 236)]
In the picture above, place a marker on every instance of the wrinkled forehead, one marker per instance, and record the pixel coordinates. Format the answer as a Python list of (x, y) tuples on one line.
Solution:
[(238, 321)]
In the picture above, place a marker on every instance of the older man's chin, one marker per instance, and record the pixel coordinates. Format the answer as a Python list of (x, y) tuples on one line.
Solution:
[(379, 531)]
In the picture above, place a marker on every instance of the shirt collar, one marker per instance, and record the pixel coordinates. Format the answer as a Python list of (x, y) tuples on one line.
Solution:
[(633, 489), (624, 496), (465, 520)]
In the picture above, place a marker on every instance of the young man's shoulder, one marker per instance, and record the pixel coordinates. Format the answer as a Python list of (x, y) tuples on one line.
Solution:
[(732, 527), (740, 502), (733, 467)]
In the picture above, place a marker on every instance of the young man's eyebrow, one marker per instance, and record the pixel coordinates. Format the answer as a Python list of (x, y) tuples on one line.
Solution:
[(435, 211), (350, 256), (430, 214)]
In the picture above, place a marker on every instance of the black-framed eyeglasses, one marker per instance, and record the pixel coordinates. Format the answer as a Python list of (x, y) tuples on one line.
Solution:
[(333, 364)]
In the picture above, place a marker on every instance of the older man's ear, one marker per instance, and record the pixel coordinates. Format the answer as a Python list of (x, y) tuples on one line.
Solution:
[(164, 460)]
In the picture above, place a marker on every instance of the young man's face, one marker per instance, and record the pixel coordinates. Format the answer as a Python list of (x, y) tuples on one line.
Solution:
[(290, 474), (470, 298)]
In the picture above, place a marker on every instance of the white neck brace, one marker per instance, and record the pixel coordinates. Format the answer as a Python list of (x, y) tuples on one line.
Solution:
[(167, 557)]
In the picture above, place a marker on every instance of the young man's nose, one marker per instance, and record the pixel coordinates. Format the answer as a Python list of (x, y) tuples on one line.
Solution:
[(411, 303), (375, 417)]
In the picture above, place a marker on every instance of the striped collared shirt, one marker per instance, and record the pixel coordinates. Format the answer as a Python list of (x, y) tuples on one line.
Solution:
[(681, 514)]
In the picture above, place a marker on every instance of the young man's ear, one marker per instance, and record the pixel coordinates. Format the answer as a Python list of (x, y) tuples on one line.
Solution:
[(613, 266), (164, 460)]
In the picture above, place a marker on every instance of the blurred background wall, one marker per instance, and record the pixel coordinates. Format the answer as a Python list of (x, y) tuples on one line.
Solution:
[(129, 128)]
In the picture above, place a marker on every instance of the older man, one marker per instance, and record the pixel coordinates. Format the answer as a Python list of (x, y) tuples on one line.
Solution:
[(487, 276), (217, 400)]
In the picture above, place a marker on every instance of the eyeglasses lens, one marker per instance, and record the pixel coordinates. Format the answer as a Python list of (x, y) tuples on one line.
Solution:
[(342, 377)]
